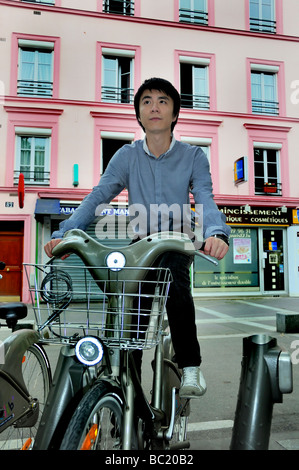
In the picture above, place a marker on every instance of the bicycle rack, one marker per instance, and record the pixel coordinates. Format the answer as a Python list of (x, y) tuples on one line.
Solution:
[(265, 376)]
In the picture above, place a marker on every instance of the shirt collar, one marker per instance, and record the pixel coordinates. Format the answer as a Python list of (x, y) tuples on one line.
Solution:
[(172, 143)]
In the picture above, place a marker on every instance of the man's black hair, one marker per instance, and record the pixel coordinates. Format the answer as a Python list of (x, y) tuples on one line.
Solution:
[(163, 85)]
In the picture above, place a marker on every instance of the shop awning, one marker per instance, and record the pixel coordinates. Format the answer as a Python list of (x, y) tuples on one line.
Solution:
[(47, 207)]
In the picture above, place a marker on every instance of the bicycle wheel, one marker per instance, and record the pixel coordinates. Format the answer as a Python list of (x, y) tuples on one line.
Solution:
[(97, 422), (37, 378)]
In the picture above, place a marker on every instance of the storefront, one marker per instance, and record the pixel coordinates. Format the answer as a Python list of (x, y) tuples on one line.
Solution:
[(257, 261)]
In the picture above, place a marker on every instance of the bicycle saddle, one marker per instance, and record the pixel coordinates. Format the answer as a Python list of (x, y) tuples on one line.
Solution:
[(12, 312)]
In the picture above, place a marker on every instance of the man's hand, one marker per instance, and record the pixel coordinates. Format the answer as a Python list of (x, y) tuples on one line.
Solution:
[(51, 245), (215, 247)]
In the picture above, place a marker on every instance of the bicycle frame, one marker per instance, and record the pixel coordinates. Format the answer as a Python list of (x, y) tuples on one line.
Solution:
[(68, 382)]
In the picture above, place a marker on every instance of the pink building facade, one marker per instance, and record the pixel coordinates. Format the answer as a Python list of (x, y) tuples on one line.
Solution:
[(69, 70)]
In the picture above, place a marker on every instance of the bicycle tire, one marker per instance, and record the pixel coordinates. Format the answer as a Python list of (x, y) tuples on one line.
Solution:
[(97, 421), (37, 378)]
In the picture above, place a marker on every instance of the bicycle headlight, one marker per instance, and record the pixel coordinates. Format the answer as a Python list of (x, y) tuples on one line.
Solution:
[(89, 350)]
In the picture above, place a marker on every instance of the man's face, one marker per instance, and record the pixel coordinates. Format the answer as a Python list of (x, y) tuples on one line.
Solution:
[(156, 111)]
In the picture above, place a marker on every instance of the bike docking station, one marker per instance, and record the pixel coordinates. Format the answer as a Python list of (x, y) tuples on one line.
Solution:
[(266, 375)]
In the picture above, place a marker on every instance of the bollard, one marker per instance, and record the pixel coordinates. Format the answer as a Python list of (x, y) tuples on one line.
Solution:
[(266, 374)]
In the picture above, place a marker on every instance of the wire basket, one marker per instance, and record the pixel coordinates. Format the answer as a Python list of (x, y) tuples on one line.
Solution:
[(69, 302)]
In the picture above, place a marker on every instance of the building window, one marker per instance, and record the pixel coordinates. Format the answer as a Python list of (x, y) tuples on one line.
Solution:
[(35, 68), (33, 156), (264, 94), (262, 16), (193, 11), (194, 83), (267, 169), (111, 142), (42, 2), (119, 7), (117, 76)]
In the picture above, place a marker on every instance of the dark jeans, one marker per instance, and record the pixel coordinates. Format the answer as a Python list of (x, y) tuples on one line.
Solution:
[(180, 311)]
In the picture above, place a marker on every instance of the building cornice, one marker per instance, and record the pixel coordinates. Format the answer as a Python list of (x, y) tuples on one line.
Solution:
[(150, 21)]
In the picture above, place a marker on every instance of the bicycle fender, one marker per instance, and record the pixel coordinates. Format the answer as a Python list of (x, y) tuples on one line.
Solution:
[(12, 350)]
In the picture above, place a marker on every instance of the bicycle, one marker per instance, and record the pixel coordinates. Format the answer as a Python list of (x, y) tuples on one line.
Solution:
[(97, 395), (25, 378)]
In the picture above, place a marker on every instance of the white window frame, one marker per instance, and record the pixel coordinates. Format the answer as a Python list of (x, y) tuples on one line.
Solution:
[(264, 70), (44, 90), (203, 142), (33, 133), (124, 7), (116, 54), (190, 7), (202, 63), (261, 18), (47, 2), (269, 146), (115, 136)]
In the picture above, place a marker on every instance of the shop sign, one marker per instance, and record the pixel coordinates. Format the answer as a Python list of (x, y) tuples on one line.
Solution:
[(237, 215), (123, 211), (295, 214), (240, 170)]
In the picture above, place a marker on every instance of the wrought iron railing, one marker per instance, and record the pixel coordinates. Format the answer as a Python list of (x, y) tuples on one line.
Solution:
[(262, 26), (119, 7), (38, 176), (117, 95), (35, 88), (265, 107), (195, 101), (193, 16), (41, 2)]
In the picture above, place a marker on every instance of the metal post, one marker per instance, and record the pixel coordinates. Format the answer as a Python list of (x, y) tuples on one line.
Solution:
[(266, 374)]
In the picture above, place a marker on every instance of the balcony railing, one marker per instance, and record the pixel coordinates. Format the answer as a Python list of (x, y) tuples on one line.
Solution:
[(35, 88), (265, 107), (42, 2), (119, 7), (38, 176), (195, 101), (117, 95), (193, 16), (262, 26)]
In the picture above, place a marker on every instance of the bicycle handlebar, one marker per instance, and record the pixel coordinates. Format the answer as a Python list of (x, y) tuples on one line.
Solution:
[(141, 254)]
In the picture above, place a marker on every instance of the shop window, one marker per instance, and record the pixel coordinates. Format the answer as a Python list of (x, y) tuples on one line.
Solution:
[(239, 269)]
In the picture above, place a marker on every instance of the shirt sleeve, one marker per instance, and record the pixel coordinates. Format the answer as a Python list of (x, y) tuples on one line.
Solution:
[(112, 182), (214, 221)]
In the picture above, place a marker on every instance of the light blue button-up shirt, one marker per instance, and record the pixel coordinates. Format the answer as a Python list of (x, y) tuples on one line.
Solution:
[(154, 183)]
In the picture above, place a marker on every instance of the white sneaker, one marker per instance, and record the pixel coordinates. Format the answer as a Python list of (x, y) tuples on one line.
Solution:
[(193, 384)]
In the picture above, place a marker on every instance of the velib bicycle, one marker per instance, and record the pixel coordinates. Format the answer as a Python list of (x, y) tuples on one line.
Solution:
[(114, 308), (25, 378)]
